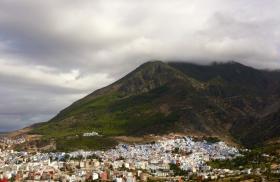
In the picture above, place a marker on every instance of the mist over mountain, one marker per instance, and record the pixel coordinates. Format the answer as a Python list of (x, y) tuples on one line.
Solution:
[(55, 52)]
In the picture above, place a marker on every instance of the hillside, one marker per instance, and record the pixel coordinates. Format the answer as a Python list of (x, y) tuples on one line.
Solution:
[(227, 100)]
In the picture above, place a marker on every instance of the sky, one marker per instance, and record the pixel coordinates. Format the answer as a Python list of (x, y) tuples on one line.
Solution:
[(57, 51)]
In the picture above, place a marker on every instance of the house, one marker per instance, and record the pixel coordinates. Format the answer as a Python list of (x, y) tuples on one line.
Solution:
[(93, 133), (104, 176), (144, 176), (95, 176)]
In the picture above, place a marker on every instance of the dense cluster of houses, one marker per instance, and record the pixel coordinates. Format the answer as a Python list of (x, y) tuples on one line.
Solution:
[(123, 163), (9, 142)]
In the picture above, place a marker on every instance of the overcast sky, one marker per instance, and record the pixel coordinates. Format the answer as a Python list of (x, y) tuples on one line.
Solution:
[(54, 52)]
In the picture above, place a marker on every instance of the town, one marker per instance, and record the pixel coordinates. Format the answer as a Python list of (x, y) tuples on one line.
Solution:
[(169, 159)]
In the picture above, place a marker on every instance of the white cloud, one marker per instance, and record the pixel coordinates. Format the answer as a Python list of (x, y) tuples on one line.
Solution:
[(56, 51)]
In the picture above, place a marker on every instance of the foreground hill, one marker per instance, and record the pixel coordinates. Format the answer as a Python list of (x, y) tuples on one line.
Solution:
[(227, 100)]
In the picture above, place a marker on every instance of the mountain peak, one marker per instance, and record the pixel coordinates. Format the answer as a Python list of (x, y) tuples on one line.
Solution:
[(153, 62), (148, 76)]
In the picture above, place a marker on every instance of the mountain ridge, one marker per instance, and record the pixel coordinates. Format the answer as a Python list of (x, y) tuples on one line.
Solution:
[(221, 99)]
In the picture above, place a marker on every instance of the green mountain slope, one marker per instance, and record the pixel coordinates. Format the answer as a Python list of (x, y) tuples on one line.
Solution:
[(225, 100)]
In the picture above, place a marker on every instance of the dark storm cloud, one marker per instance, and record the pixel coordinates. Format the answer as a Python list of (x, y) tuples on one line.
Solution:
[(54, 52)]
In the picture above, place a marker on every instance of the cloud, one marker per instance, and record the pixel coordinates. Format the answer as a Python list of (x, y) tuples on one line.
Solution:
[(54, 52)]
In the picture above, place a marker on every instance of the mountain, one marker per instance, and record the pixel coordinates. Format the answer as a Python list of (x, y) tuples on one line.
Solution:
[(226, 100)]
